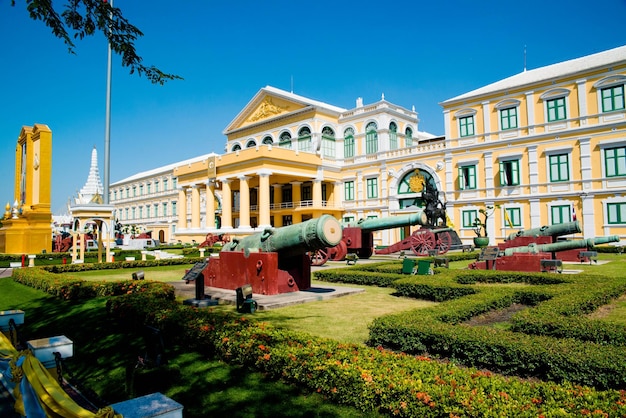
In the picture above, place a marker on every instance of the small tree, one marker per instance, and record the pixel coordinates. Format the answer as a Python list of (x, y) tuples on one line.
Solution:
[(480, 227)]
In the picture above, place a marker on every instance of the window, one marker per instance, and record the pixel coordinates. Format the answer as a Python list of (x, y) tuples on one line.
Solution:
[(287, 197), (134, 211), (348, 143), (173, 208), (287, 220), (141, 190), (467, 177), (371, 138), (156, 210), (408, 137), (268, 140), (149, 188), (372, 188), (304, 139), (126, 214), (134, 191), (328, 142), (148, 215), (156, 187), (556, 109), (348, 219), (513, 217), (115, 195), (127, 192), (141, 212), (509, 173), (251, 144), (615, 161), (559, 167), (174, 183), (236, 147), (324, 195), (393, 136), (612, 98), (285, 140), (165, 209), (164, 184), (616, 213), (306, 192), (561, 214), (508, 118), (469, 216), (348, 190), (466, 125)]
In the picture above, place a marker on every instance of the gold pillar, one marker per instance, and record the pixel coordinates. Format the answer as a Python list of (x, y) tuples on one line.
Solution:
[(210, 205), (182, 208), (244, 202), (296, 197), (227, 205), (195, 206), (264, 198)]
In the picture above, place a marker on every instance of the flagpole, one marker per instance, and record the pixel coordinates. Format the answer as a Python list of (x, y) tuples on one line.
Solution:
[(107, 126)]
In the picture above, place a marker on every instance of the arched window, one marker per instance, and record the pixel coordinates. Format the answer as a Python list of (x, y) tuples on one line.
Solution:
[(408, 137), (236, 147), (393, 135), (251, 143), (268, 140), (285, 140), (348, 143), (371, 138), (304, 139), (328, 142), (413, 184)]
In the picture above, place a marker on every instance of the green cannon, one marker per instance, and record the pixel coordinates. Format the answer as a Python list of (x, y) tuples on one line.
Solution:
[(379, 224), (556, 230), (295, 239), (561, 245), (273, 261), (358, 238)]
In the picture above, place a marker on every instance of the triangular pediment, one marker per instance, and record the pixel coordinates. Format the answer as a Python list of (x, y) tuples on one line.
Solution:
[(271, 103)]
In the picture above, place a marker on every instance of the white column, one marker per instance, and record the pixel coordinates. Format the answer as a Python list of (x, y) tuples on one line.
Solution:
[(264, 198), (244, 202), (582, 101), (227, 205), (210, 205), (195, 206)]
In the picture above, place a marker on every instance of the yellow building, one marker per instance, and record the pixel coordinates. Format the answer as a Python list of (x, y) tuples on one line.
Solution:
[(542, 147), (289, 158)]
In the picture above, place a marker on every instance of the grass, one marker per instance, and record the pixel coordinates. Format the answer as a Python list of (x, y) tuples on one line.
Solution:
[(160, 274), (346, 318)]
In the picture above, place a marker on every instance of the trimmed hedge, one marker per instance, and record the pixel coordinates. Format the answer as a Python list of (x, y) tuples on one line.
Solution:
[(551, 338), (71, 268)]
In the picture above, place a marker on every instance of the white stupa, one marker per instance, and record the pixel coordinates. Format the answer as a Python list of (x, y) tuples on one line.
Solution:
[(92, 190)]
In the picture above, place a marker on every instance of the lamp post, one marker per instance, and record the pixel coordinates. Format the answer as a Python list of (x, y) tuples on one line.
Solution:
[(107, 127)]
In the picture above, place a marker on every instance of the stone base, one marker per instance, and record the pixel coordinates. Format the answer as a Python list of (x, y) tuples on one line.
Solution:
[(153, 405)]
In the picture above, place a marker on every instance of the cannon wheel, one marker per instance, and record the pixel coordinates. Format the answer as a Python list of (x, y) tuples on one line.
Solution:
[(208, 241), (319, 257), (444, 242), (338, 252), (423, 240)]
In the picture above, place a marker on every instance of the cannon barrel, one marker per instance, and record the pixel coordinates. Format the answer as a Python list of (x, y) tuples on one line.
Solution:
[(310, 235), (556, 230), (369, 225), (561, 245)]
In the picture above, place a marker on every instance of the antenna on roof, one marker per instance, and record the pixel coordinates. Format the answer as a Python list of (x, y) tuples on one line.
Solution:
[(292, 83), (524, 58)]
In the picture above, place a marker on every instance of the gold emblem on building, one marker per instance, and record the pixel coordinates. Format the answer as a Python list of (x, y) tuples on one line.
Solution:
[(417, 182), (267, 109)]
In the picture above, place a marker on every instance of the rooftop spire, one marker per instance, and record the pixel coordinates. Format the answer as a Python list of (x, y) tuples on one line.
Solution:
[(93, 189)]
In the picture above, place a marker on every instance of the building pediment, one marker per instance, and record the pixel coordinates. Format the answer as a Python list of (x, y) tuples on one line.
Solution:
[(272, 103)]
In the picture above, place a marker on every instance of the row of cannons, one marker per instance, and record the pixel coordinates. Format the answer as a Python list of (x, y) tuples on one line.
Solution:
[(540, 249), (279, 260)]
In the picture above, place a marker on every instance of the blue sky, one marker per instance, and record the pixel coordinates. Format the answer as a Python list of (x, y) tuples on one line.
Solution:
[(416, 53)]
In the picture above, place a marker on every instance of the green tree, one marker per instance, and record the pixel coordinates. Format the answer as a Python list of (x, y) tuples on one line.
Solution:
[(80, 18)]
